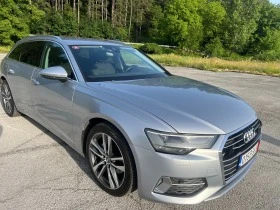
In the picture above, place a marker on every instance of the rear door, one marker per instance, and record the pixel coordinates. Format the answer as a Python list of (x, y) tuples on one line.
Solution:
[(21, 63), (53, 98)]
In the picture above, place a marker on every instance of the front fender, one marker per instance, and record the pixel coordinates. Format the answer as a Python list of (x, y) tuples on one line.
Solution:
[(131, 121)]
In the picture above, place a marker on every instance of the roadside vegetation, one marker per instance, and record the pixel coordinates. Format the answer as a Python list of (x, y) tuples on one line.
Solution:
[(208, 34), (172, 56), (4, 49), (216, 64)]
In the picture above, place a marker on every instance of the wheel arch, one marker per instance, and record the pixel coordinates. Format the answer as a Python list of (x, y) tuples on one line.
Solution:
[(97, 120)]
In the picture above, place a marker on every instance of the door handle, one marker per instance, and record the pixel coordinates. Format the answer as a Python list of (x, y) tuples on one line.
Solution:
[(11, 71), (35, 82)]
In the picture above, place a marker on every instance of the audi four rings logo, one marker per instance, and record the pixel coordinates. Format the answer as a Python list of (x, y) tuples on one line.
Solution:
[(249, 135)]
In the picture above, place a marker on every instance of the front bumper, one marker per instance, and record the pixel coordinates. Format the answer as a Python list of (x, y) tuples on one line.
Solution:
[(201, 163)]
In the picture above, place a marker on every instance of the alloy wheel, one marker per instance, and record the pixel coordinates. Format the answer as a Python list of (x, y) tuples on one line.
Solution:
[(7, 98), (107, 161)]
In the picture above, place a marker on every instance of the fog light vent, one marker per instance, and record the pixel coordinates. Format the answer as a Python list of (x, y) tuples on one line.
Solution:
[(180, 187)]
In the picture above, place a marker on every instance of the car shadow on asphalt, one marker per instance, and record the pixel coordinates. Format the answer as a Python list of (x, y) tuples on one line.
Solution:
[(274, 142), (271, 140), (79, 160)]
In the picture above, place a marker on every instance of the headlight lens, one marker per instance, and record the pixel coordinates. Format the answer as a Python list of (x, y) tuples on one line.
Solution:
[(179, 144)]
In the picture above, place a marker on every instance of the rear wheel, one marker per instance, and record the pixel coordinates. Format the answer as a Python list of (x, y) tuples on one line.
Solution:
[(7, 100), (111, 160)]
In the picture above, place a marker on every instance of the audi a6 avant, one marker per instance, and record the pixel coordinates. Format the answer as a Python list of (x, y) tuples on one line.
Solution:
[(175, 139)]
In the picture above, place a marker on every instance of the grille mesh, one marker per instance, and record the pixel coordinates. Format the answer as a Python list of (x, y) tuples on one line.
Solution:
[(235, 146)]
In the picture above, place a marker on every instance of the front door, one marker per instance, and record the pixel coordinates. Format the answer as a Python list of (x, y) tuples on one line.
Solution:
[(53, 98)]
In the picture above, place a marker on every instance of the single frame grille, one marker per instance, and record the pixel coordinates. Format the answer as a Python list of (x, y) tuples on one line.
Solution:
[(236, 146)]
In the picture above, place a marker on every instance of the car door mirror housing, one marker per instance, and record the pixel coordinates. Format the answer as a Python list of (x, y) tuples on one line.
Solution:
[(55, 73)]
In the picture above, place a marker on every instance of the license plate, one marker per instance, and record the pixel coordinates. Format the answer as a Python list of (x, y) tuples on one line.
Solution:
[(243, 159)]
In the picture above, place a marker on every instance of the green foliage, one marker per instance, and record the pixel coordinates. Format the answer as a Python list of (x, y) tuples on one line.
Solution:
[(90, 29), (213, 15), (183, 25), (156, 17), (12, 24), (241, 23), (215, 48), (269, 46), (151, 48), (232, 29)]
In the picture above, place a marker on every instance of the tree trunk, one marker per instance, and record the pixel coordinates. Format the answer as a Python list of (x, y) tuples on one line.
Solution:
[(89, 8), (113, 12), (95, 9), (106, 10), (74, 7), (140, 29), (130, 19), (126, 11), (102, 10), (56, 5), (78, 13)]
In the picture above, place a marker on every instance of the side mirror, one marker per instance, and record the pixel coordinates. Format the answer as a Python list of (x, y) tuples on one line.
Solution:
[(55, 73)]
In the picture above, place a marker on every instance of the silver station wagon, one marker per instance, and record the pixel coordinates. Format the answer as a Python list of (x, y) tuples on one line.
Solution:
[(175, 139)]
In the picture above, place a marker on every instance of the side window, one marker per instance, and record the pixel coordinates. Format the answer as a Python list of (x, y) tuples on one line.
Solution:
[(16, 53), (55, 56), (31, 53)]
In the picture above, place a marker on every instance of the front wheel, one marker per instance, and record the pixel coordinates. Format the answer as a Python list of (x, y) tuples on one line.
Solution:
[(111, 160), (7, 100)]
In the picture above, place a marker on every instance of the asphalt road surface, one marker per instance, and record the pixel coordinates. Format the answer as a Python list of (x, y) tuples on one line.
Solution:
[(39, 171)]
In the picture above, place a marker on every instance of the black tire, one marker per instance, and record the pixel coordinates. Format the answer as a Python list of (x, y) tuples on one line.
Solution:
[(127, 179), (8, 104)]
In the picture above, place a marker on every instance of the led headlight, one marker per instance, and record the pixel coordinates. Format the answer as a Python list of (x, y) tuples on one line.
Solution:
[(179, 144)]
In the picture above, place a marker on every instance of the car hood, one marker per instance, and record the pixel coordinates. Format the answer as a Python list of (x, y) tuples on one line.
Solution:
[(187, 105)]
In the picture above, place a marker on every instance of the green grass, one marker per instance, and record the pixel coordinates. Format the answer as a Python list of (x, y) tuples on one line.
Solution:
[(4, 49), (217, 64)]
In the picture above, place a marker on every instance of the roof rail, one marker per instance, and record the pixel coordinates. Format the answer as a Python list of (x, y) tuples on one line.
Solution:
[(41, 36), (115, 41)]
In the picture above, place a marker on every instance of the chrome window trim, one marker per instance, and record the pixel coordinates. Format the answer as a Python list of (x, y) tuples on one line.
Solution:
[(43, 40)]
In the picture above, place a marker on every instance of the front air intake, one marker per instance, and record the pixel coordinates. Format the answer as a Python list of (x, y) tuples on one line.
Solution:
[(180, 187)]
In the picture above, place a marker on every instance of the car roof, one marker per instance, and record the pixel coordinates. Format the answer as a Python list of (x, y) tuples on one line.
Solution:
[(73, 40)]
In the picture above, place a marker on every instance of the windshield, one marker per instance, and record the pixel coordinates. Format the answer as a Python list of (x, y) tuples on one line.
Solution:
[(107, 63)]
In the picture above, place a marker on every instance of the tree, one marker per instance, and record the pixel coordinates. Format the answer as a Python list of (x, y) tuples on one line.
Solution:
[(213, 16), (155, 17), (183, 24), (12, 28), (241, 23), (34, 17)]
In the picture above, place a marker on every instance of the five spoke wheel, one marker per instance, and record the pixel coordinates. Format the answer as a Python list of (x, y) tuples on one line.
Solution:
[(107, 161)]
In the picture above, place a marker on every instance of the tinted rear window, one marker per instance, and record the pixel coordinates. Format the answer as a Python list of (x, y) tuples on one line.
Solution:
[(16, 53), (31, 53)]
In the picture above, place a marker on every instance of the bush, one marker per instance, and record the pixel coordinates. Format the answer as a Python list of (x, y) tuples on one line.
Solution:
[(151, 48), (270, 55), (215, 48)]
